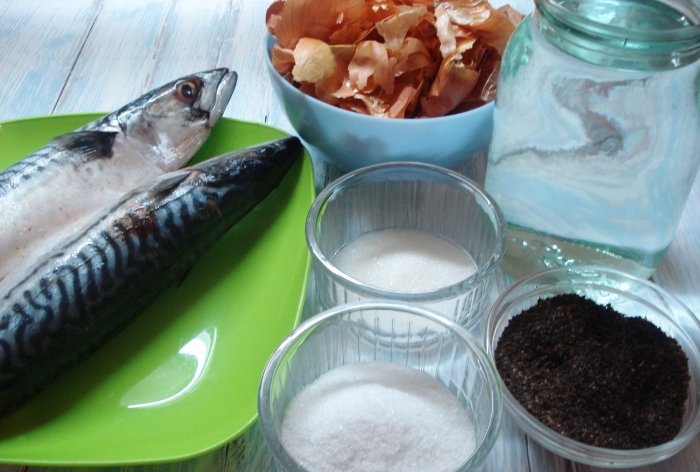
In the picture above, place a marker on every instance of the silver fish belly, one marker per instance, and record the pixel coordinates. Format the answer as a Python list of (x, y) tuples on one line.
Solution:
[(78, 295), (65, 183)]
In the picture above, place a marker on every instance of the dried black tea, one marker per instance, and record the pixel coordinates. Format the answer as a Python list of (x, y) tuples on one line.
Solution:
[(593, 374)]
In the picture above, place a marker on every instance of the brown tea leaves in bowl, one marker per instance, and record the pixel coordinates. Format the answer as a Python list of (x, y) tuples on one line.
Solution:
[(593, 374)]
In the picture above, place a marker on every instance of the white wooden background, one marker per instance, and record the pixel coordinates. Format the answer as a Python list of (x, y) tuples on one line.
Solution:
[(67, 56)]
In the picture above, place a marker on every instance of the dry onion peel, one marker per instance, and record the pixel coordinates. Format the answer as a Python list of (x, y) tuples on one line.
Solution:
[(392, 58)]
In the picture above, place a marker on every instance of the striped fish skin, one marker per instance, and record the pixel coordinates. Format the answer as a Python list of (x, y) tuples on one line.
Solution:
[(78, 296), (65, 183)]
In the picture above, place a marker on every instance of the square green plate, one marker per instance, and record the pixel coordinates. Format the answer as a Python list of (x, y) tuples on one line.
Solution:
[(183, 378)]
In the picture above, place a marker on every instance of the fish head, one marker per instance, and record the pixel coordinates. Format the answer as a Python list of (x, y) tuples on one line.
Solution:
[(233, 178), (248, 174), (169, 124)]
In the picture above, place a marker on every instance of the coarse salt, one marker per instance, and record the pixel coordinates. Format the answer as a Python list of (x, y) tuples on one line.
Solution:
[(379, 417)]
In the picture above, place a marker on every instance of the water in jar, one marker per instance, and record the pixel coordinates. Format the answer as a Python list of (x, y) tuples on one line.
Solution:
[(592, 162)]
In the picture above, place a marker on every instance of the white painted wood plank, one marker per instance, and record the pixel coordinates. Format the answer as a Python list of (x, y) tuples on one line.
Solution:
[(243, 49), (118, 56), (39, 44), (192, 39)]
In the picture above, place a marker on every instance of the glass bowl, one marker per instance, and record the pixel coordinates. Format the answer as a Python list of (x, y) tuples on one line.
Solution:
[(382, 332), (426, 200), (630, 296)]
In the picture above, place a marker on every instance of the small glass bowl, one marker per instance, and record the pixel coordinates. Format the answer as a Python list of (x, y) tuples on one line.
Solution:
[(413, 196), (385, 332), (630, 296)]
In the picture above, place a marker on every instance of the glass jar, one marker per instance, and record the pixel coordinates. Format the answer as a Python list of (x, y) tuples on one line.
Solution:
[(596, 140)]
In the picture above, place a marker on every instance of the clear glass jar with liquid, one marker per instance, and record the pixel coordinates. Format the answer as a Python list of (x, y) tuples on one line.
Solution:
[(596, 140)]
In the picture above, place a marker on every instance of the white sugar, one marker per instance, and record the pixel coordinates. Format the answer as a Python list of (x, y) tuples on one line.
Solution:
[(377, 417), (404, 260)]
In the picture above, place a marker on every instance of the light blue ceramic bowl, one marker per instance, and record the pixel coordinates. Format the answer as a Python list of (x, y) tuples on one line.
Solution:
[(349, 140)]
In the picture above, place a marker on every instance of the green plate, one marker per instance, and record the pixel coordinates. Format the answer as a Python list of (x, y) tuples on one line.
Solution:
[(183, 378)]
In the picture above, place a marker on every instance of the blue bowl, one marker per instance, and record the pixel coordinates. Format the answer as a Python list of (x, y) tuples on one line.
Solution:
[(348, 140)]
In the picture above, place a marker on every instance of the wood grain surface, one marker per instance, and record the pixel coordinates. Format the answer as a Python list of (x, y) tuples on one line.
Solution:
[(75, 56)]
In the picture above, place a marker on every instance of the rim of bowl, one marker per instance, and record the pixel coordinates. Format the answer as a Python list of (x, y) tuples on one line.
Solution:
[(270, 41), (482, 272), (482, 448), (563, 445)]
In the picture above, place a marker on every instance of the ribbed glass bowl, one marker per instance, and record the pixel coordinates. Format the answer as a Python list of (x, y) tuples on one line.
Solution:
[(382, 332), (630, 296), (416, 196)]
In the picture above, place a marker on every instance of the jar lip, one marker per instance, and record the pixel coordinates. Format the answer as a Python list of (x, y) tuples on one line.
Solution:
[(573, 19)]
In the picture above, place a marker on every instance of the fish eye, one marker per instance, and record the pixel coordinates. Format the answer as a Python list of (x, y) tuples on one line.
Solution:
[(188, 90)]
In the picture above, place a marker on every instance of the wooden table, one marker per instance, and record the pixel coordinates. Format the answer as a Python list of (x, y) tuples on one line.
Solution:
[(94, 55)]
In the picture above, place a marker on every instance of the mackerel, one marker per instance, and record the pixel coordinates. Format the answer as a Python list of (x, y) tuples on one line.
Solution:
[(91, 285), (65, 183)]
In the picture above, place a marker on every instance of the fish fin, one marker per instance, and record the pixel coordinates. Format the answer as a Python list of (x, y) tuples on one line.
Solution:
[(88, 144), (169, 182)]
